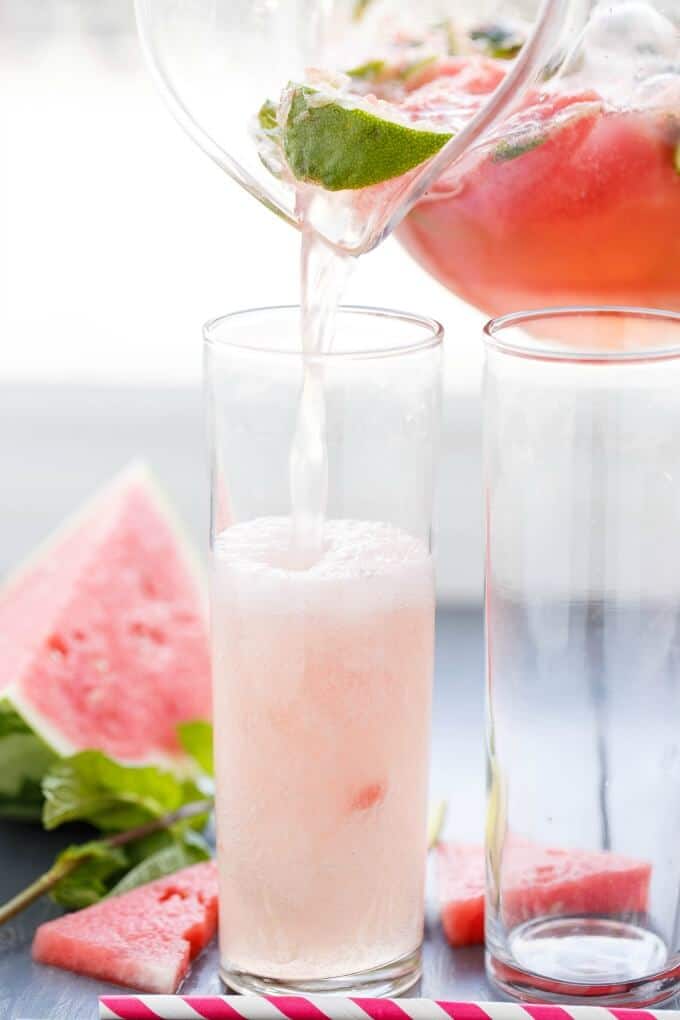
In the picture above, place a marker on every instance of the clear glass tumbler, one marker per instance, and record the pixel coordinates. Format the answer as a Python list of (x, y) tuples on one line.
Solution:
[(322, 672), (582, 495)]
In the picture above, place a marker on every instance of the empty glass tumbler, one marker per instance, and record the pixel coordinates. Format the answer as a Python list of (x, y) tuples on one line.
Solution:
[(582, 495)]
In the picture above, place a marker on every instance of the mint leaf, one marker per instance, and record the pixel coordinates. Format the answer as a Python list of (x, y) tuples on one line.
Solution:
[(82, 875), (411, 70), (498, 40), (368, 71), (507, 150), (178, 853), (25, 805), (267, 116), (96, 864), (11, 721), (24, 760), (196, 738), (93, 788)]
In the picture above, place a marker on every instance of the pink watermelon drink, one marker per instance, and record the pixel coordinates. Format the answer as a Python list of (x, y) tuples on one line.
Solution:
[(322, 681), (577, 203)]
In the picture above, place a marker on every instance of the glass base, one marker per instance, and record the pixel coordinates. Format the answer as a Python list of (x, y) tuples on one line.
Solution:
[(391, 980), (590, 959)]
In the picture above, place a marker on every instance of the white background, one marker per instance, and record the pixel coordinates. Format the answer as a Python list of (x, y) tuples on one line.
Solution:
[(118, 239)]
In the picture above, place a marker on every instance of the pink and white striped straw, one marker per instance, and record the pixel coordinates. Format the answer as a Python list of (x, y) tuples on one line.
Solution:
[(294, 1007)]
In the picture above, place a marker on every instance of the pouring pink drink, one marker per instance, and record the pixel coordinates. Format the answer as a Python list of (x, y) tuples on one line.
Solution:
[(322, 648)]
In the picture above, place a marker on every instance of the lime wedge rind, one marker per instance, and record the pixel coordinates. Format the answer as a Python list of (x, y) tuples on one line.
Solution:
[(344, 146)]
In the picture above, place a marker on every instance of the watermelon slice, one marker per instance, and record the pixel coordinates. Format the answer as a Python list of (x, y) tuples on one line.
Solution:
[(536, 881), (144, 939), (103, 642)]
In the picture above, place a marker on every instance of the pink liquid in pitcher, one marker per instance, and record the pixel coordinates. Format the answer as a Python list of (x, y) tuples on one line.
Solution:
[(575, 201)]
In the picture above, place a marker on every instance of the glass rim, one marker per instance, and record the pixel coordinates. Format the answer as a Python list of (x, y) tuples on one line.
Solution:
[(434, 329), (540, 350)]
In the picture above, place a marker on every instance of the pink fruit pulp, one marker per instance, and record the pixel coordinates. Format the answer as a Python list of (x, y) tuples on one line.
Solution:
[(144, 939), (536, 881), (103, 636)]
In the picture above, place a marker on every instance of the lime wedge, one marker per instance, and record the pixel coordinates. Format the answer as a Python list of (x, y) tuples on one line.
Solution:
[(342, 145)]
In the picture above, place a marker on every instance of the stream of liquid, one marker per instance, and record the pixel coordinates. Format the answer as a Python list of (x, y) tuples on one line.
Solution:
[(324, 273)]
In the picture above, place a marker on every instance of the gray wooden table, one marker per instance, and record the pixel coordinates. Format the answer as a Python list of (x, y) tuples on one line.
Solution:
[(29, 991)]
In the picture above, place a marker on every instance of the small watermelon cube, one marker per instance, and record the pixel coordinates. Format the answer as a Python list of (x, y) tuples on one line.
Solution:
[(144, 939)]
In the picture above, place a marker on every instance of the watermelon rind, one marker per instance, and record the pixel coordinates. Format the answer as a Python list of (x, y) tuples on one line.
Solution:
[(31, 743)]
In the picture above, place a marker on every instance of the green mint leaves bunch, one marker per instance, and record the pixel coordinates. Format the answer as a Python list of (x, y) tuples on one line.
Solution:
[(152, 823)]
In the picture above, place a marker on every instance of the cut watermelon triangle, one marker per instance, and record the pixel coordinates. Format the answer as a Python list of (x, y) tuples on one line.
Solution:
[(103, 637), (536, 881), (144, 939)]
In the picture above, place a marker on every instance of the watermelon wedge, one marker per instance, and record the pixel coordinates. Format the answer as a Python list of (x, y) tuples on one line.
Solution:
[(144, 939), (536, 881), (103, 642)]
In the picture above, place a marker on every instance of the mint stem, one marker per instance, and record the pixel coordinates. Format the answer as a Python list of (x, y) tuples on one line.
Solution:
[(54, 875), (197, 807), (36, 889)]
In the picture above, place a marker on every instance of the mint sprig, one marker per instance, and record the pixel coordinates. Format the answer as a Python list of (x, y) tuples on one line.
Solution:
[(498, 40), (93, 862), (151, 820), (179, 852), (88, 872), (267, 116), (511, 149)]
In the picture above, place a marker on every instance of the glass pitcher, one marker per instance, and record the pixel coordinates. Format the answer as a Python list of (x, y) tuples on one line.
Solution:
[(561, 181)]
